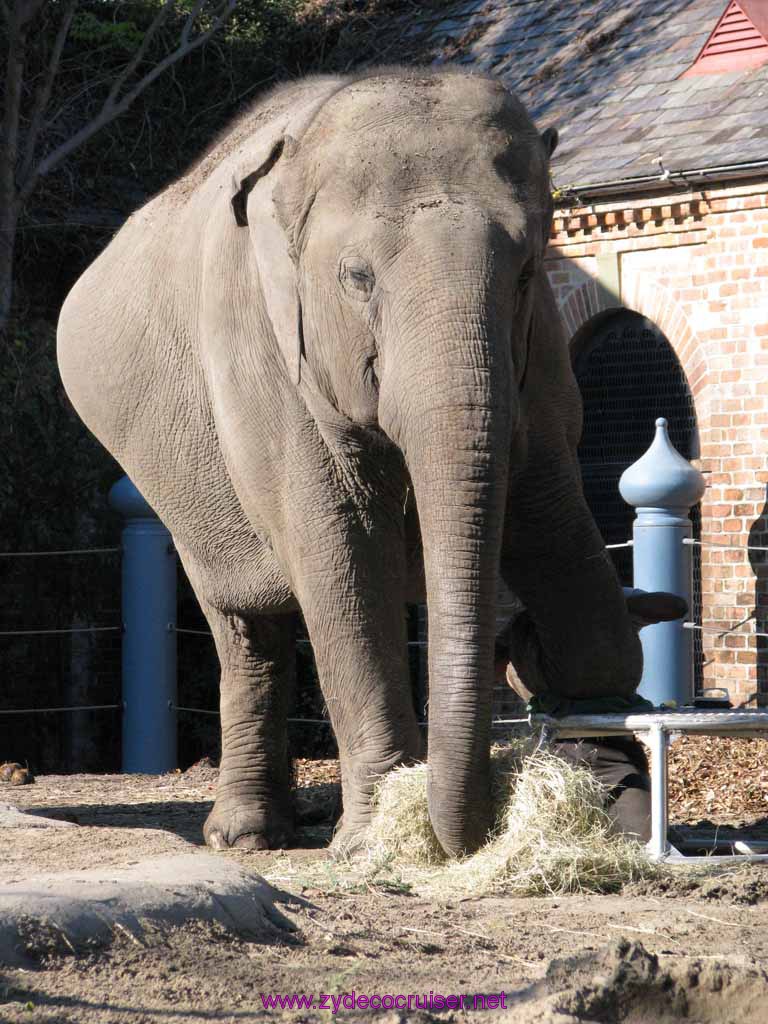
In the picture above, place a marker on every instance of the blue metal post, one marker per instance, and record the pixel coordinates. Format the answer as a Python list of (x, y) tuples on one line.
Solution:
[(663, 487), (149, 635)]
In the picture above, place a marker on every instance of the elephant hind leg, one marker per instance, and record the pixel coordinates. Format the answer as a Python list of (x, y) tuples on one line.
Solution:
[(253, 808)]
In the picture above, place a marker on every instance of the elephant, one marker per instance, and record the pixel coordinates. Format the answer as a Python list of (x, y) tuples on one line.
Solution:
[(329, 357)]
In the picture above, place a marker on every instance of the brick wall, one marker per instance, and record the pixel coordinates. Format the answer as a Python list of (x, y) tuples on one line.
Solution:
[(696, 265)]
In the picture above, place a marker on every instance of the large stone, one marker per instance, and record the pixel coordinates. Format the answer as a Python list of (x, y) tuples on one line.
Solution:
[(12, 817), (87, 909)]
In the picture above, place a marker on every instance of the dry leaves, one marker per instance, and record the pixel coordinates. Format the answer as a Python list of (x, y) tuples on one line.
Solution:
[(718, 778)]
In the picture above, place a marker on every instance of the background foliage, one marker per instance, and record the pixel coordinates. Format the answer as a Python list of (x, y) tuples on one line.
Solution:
[(54, 476)]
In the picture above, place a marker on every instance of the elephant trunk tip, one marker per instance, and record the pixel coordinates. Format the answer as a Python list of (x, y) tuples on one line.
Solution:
[(459, 834)]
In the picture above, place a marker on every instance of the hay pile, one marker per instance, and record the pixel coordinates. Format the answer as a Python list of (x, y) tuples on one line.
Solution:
[(550, 836)]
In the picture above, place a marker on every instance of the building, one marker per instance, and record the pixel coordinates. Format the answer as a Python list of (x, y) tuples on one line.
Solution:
[(658, 256)]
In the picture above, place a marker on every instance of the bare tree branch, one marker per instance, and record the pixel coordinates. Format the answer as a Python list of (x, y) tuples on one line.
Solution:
[(17, 182), (9, 142), (14, 77), (26, 10), (91, 85), (113, 107), (191, 18), (43, 96), (131, 66)]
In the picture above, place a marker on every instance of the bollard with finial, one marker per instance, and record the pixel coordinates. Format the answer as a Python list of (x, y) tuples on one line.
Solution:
[(663, 487)]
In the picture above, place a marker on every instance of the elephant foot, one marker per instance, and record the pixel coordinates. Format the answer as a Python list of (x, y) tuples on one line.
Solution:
[(347, 841), (247, 827)]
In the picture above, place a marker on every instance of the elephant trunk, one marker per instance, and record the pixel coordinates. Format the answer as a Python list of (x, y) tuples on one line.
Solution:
[(456, 442)]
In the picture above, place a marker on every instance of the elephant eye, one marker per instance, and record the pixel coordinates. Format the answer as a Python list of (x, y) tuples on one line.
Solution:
[(357, 277)]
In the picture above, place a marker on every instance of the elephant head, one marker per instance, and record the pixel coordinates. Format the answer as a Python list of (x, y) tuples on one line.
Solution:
[(521, 657), (399, 230)]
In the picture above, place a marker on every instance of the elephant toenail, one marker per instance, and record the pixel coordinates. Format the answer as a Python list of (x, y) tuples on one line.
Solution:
[(251, 841)]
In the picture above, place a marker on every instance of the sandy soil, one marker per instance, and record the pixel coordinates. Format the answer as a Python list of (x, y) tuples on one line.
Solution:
[(685, 948)]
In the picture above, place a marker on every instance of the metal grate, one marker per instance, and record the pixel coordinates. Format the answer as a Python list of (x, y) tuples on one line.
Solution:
[(629, 375)]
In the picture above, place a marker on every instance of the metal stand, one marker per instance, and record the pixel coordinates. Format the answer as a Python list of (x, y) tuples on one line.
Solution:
[(657, 741), (657, 729)]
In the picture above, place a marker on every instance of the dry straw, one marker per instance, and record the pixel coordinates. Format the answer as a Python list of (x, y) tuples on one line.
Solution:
[(551, 834)]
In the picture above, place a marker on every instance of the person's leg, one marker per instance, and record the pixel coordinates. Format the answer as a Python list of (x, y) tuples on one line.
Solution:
[(621, 766)]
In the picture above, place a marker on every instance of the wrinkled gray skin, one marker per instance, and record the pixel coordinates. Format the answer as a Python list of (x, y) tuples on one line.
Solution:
[(333, 330), (518, 642)]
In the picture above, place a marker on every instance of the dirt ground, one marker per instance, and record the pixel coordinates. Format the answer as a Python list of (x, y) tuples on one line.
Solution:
[(681, 947)]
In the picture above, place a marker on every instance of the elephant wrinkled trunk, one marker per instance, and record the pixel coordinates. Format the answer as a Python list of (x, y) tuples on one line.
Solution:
[(457, 451)]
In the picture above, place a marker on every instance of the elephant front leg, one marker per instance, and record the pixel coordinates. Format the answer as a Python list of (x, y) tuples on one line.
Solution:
[(253, 808), (376, 729), (360, 645)]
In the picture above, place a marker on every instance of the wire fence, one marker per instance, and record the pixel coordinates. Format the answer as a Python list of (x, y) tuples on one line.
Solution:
[(720, 632), (6, 557), (58, 554), (61, 632), (58, 631), (690, 541), (327, 722), (52, 711)]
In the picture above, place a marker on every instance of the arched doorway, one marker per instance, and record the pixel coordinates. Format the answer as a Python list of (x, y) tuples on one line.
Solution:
[(629, 375)]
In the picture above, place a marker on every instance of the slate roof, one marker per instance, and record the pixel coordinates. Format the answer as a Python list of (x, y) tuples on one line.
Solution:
[(606, 74)]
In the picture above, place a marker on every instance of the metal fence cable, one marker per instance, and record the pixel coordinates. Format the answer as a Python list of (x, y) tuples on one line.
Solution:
[(194, 711), (48, 711), (325, 721), (727, 547), (720, 632), (74, 551), (56, 632)]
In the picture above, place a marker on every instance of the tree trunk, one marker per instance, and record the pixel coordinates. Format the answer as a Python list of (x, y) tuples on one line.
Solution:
[(9, 219), (9, 148)]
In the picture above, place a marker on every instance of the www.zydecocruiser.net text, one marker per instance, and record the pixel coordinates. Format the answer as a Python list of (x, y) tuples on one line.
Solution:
[(386, 1001)]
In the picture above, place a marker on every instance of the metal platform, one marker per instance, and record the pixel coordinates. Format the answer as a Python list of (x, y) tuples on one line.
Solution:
[(656, 729)]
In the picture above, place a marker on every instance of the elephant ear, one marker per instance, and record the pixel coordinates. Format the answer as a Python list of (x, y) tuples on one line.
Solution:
[(253, 206)]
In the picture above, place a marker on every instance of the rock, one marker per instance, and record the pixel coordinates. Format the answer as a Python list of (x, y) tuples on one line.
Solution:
[(12, 817), (7, 769), (77, 911)]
